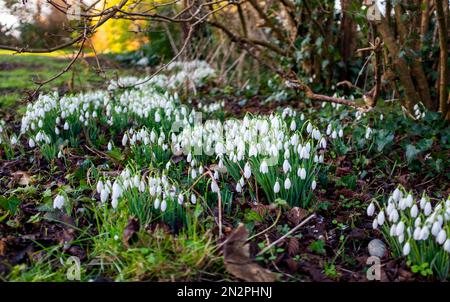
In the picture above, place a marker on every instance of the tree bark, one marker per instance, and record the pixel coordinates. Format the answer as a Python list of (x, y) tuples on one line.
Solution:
[(443, 58)]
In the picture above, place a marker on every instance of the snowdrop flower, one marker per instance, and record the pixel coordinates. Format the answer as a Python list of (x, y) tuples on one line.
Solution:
[(341, 133), (193, 198), (370, 209), (238, 187), (380, 218), (400, 228), (286, 166), (215, 187), (109, 146), (99, 186), (264, 169), (313, 184), (368, 132), (180, 198), (157, 117), (393, 216), (287, 184), (427, 210), (247, 171), (334, 135), (375, 224), (436, 228), (414, 211), (424, 233), (66, 126), (124, 140), (58, 202), (293, 125), (31, 143), (396, 195), (13, 140), (447, 245), (417, 233), (441, 237), (104, 195), (309, 127), (157, 203), (406, 249), (276, 187), (163, 205), (301, 172)]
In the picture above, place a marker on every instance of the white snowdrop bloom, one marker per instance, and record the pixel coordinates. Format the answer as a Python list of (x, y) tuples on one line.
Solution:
[(109, 146), (163, 205), (441, 237), (393, 216), (216, 175), (214, 187), (293, 126), (189, 157), (302, 117), (370, 209), (409, 200), (368, 132), (375, 224), (60, 154), (341, 133), (380, 218), (400, 228), (423, 202), (58, 202), (193, 173), (427, 210), (157, 203), (309, 127), (301, 172), (287, 184), (414, 211), (447, 245), (424, 233), (286, 166), (238, 187), (416, 234), (99, 186), (200, 169), (417, 222), (180, 199), (321, 159), (104, 195), (329, 129), (31, 143), (124, 140), (313, 184), (334, 134), (157, 117), (116, 190), (401, 238), (323, 143), (396, 195), (193, 198), (276, 187), (406, 249), (247, 171), (13, 140), (393, 230), (40, 123), (56, 131), (264, 169), (436, 228)]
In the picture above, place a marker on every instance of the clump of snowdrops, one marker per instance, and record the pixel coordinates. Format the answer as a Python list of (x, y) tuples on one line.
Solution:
[(417, 229)]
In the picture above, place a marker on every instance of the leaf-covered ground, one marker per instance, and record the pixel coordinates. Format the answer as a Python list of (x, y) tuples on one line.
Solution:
[(83, 186)]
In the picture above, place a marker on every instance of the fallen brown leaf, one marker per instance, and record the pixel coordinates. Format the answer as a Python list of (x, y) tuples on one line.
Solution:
[(296, 215), (293, 246), (2, 248), (23, 177), (237, 259), (129, 234)]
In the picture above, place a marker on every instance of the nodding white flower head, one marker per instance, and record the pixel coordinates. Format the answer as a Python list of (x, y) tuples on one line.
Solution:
[(264, 169), (66, 126), (393, 216), (238, 187), (109, 146), (293, 125), (58, 202), (313, 184), (416, 234), (124, 140), (287, 184), (414, 211), (114, 203), (157, 117), (180, 198), (193, 198), (368, 132), (447, 245), (157, 203), (406, 249), (247, 171), (424, 233), (276, 187), (397, 195), (341, 133), (309, 127), (301, 172), (375, 224), (31, 143), (436, 228), (214, 187), (163, 205), (323, 143), (104, 193), (409, 200), (423, 202), (400, 228), (427, 210), (380, 218), (370, 209), (99, 186), (441, 237), (286, 166)]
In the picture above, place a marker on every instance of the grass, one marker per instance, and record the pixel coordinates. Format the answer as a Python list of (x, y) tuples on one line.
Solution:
[(18, 71)]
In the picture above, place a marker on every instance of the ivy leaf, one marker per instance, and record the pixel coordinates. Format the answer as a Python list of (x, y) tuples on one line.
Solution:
[(411, 152)]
